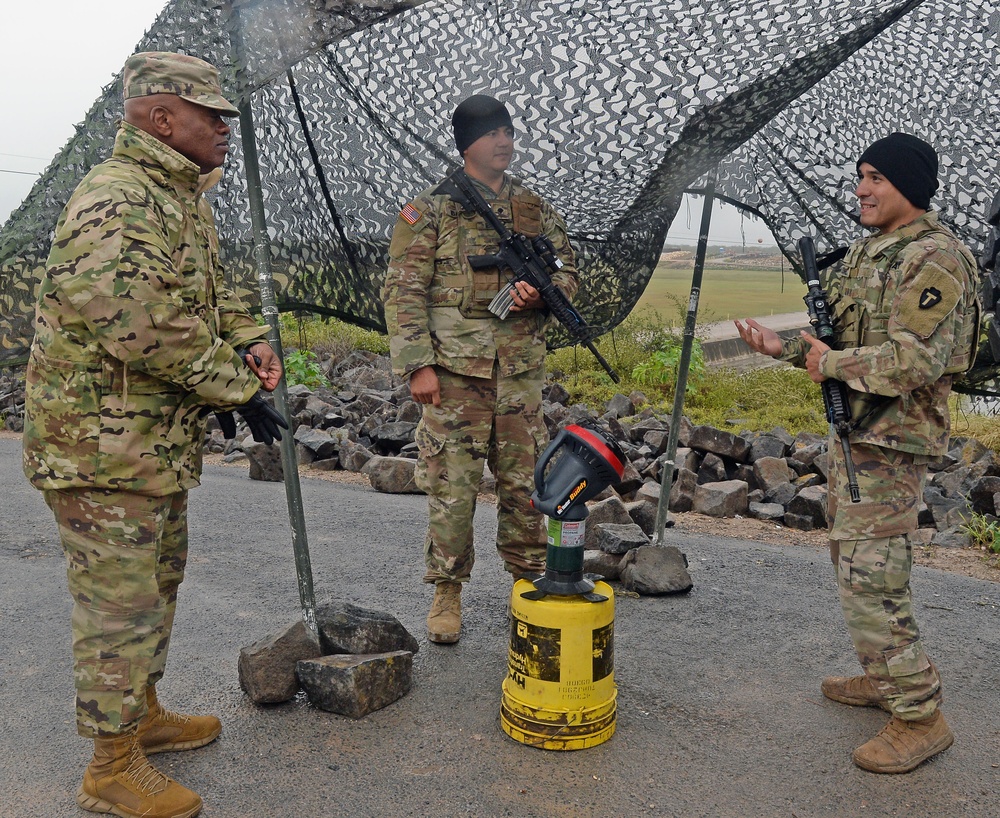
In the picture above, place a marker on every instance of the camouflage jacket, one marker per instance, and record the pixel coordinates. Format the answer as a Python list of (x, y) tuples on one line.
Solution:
[(906, 316), (134, 330), (435, 303)]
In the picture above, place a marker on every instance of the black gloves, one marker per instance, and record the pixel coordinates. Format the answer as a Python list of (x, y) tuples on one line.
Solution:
[(227, 423), (262, 419)]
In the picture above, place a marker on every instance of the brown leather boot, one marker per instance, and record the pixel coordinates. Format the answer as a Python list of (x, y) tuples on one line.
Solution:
[(163, 731), (854, 690), (120, 780), (444, 622), (902, 746)]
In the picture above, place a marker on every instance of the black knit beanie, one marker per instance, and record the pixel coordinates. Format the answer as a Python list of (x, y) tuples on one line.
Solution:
[(476, 116), (909, 163)]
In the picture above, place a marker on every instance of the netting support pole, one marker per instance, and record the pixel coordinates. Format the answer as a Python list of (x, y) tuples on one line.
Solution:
[(669, 456), (269, 309)]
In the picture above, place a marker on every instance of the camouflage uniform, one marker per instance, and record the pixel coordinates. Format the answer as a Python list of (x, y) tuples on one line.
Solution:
[(906, 317), (135, 335), (491, 370)]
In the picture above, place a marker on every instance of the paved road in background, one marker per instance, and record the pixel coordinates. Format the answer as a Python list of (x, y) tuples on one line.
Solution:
[(719, 709), (723, 330)]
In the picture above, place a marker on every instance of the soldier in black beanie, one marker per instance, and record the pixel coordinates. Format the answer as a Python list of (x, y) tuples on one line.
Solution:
[(476, 116), (909, 163), (478, 377), (906, 315)]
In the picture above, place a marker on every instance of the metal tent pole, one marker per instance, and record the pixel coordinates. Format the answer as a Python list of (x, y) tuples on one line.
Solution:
[(667, 474), (262, 257)]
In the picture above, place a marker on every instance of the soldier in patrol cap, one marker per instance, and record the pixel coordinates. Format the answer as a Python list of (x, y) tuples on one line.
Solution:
[(906, 317), (137, 339), (478, 377)]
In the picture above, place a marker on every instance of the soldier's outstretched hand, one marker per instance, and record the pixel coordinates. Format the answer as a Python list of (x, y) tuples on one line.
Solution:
[(759, 338)]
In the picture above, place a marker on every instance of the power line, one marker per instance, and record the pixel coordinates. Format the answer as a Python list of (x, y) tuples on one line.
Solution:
[(24, 156), (22, 172)]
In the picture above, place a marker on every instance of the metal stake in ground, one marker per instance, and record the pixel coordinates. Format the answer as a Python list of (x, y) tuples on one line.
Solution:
[(667, 473), (269, 309)]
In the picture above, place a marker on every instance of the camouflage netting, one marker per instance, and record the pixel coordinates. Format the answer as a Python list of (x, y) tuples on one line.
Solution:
[(620, 107)]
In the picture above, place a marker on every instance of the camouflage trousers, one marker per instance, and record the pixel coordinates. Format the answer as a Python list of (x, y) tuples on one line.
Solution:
[(498, 421), (872, 555), (125, 558)]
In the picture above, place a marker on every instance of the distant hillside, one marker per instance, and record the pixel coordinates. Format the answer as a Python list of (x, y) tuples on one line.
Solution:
[(764, 258)]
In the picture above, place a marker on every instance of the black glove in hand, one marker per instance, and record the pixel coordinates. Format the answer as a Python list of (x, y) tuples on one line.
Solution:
[(262, 419), (227, 423)]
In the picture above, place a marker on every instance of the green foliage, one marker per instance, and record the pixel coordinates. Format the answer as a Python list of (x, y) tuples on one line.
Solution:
[(645, 350), (983, 532), (302, 367), (663, 365), (328, 336), (759, 400)]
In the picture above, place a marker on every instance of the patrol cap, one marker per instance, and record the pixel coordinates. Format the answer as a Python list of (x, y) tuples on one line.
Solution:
[(476, 116), (164, 72)]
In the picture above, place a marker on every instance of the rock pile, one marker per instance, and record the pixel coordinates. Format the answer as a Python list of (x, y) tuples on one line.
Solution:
[(365, 422)]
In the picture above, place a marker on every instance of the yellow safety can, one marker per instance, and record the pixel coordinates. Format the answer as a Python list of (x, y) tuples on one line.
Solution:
[(560, 691)]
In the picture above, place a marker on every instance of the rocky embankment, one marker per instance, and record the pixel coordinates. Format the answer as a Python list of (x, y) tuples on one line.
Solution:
[(365, 421)]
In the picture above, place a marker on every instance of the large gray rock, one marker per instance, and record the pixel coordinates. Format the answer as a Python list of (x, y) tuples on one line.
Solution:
[(954, 537), (602, 563), (619, 539), (355, 686), (391, 437), (643, 514), (611, 510), (320, 445), (712, 469), (347, 628), (768, 445), (654, 570), (267, 667), (771, 472), (682, 491), (353, 456), (724, 444), (265, 461), (807, 510), (983, 493), (392, 475), (724, 499)]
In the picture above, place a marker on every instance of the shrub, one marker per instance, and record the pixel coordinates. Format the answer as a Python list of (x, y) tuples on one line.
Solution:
[(302, 367), (984, 533)]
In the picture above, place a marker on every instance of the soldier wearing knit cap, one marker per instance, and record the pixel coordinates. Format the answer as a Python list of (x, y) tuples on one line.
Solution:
[(478, 377), (906, 316)]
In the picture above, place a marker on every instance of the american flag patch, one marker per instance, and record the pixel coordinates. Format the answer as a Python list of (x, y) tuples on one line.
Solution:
[(410, 215)]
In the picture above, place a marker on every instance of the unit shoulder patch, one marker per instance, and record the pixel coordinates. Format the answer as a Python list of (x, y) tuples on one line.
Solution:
[(932, 296)]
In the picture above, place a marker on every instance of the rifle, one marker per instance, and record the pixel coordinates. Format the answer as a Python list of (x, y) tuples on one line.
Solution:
[(838, 410), (528, 260)]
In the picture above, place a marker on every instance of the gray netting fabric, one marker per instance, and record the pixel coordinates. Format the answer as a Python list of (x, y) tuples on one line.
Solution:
[(620, 106)]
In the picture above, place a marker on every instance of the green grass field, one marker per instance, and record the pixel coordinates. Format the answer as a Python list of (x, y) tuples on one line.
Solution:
[(725, 293)]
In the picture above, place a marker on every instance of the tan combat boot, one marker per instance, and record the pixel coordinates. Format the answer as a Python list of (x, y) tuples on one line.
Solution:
[(163, 731), (902, 746), (854, 690), (444, 622), (121, 781)]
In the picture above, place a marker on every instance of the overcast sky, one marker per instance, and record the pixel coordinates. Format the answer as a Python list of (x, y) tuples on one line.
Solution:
[(57, 55)]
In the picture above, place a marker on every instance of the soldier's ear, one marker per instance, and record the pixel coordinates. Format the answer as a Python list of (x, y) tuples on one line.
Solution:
[(160, 121)]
